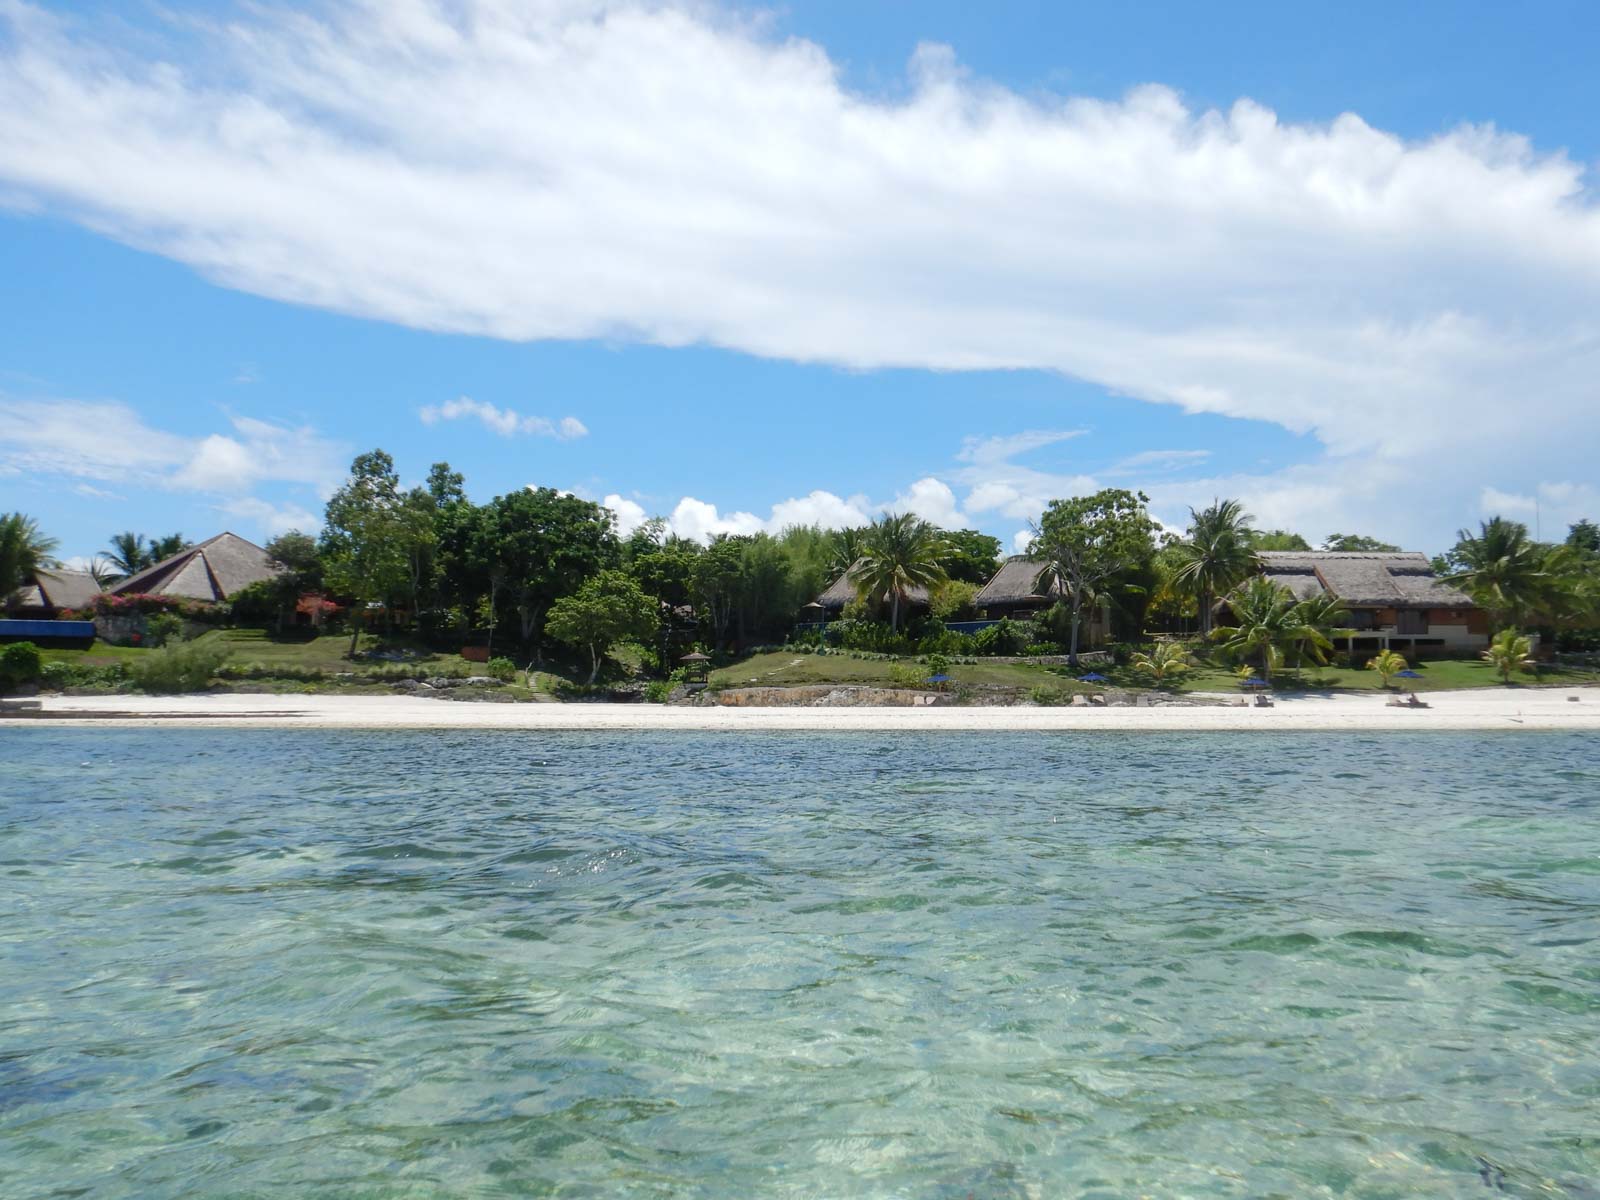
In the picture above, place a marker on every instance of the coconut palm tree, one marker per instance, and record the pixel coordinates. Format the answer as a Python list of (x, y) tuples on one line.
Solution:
[(1510, 651), (1215, 555), (1324, 612), (1165, 660), (23, 551), (129, 554), (1269, 621), (1387, 664), (898, 553), (1504, 571)]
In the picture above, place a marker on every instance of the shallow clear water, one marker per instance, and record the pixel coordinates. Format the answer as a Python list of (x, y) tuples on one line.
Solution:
[(272, 963)]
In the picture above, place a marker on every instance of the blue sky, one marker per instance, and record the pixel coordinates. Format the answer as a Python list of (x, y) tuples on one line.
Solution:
[(746, 266)]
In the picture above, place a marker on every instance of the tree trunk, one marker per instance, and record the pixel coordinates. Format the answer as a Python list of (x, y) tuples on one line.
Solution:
[(356, 609), (594, 663), (894, 612), (1077, 621), (1205, 612)]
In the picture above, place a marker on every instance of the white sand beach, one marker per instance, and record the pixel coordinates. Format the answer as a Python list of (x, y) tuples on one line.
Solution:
[(1513, 708)]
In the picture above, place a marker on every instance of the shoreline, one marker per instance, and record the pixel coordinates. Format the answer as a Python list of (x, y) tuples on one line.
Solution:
[(1479, 709)]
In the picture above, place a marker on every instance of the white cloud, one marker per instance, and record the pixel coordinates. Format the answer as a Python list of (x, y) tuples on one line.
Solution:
[(103, 442), (1548, 510), (1159, 460), (630, 514), (272, 518), (932, 500), (504, 421), (670, 175)]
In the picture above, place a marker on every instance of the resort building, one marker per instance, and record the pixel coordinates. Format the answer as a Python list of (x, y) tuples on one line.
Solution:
[(842, 593), (212, 571), (1021, 589), (49, 593), (1395, 600)]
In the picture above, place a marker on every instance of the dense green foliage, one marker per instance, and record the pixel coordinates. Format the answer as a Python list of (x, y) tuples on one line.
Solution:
[(23, 550), (1269, 624), (184, 667), (20, 663), (1215, 555), (1090, 543), (607, 608), (899, 553)]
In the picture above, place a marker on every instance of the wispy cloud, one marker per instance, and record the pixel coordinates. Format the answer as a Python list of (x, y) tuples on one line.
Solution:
[(670, 176), (1148, 461), (506, 422)]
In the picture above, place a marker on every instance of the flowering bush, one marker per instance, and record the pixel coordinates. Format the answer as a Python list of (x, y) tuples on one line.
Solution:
[(143, 604)]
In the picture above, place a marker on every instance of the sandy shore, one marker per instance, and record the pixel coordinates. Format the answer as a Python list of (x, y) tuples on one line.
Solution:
[(1516, 708)]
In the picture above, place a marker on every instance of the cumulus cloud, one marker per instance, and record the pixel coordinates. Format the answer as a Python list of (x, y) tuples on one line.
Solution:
[(90, 443), (1550, 507), (504, 421), (664, 173)]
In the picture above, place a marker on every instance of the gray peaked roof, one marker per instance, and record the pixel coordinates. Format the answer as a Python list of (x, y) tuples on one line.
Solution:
[(1398, 579), (213, 570)]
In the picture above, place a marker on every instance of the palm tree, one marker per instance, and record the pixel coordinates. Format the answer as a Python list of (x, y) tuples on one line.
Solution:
[(101, 571), (898, 553), (161, 549), (1215, 555), (1165, 660), (1324, 612), (1510, 651), (1504, 571), (24, 550), (1387, 664), (844, 548), (128, 553), (1269, 621)]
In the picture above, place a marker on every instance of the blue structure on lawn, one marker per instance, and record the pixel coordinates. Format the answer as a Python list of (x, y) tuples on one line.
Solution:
[(74, 635)]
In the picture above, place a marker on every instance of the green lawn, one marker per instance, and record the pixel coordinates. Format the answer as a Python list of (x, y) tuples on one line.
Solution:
[(1442, 675)]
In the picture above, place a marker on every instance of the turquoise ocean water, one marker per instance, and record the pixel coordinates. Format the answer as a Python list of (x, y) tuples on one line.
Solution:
[(281, 964)]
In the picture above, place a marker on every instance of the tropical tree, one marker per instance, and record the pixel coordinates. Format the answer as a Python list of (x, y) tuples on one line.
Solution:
[(1277, 539), (970, 556), (609, 608), (898, 553), (24, 550), (1268, 622), (1584, 536), (1347, 543), (164, 548), (1327, 614), (1510, 651), (845, 549), (1165, 661), (1504, 571), (545, 543), (1088, 543), (363, 541), (128, 553), (1387, 664), (1215, 555)]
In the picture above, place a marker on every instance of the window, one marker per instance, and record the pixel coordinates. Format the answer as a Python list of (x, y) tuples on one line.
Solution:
[(1411, 620)]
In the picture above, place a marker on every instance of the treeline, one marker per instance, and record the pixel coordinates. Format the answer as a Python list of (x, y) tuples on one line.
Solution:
[(537, 568)]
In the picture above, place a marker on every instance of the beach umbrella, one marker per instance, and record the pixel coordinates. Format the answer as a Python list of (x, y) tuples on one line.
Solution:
[(938, 679), (1091, 677), (1408, 674)]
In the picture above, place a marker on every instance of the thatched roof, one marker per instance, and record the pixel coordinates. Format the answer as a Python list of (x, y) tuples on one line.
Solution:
[(214, 570), (57, 589), (1398, 579), (1018, 581), (842, 591)]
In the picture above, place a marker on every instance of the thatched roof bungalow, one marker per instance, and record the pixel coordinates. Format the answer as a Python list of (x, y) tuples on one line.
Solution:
[(842, 592), (212, 571), (1394, 598), (50, 592), (1019, 590)]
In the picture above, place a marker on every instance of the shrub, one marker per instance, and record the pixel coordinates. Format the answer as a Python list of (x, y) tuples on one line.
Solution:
[(1041, 649), (143, 603), (20, 663), (901, 675), (953, 601), (162, 628), (502, 669), (657, 691), (56, 675), (186, 667), (1050, 697), (945, 641), (1005, 637)]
